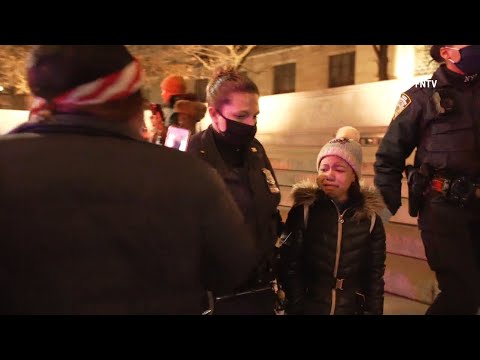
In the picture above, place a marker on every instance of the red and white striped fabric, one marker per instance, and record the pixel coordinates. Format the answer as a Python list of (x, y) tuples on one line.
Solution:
[(112, 87)]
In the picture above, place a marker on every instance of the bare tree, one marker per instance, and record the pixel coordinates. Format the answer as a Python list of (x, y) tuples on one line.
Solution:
[(157, 61), (213, 56), (195, 61), (382, 60), (13, 68)]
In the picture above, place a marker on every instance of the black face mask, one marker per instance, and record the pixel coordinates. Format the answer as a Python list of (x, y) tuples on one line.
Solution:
[(470, 59), (238, 134)]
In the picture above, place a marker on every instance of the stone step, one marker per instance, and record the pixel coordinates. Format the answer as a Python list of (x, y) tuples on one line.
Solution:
[(290, 177), (402, 216), (302, 150), (410, 278), (303, 158), (308, 161), (298, 151), (398, 305), (368, 181), (286, 193), (287, 163), (315, 137), (404, 240)]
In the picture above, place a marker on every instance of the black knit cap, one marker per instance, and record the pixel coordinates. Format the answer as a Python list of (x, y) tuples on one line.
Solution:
[(435, 53), (55, 69)]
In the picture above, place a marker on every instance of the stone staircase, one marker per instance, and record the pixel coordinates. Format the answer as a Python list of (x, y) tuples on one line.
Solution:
[(410, 284)]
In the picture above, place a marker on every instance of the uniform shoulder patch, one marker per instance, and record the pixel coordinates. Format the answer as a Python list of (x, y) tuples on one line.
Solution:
[(270, 181), (402, 104)]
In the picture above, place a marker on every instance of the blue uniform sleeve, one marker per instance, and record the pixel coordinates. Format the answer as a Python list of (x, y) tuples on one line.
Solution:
[(398, 143)]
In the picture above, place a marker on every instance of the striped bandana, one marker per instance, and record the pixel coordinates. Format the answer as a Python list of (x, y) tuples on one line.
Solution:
[(115, 86)]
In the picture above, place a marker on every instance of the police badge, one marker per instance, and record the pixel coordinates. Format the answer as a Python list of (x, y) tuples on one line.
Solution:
[(272, 185), (402, 105)]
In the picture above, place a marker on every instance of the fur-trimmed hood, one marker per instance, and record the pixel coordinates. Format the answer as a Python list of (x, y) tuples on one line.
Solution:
[(307, 192)]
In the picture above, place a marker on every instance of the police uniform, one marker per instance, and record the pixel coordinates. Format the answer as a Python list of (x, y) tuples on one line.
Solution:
[(441, 118), (249, 176)]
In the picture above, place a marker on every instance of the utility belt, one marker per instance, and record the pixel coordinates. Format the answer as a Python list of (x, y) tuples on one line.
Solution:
[(456, 190), (460, 190)]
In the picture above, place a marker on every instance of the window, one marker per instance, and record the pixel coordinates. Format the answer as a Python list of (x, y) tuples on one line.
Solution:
[(284, 78), (341, 70), (201, 89)]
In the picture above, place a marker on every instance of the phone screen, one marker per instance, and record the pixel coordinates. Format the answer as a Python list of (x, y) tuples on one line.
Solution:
[(177, 138)]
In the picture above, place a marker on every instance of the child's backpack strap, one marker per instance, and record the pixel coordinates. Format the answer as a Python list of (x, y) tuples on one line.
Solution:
[(372, 221)]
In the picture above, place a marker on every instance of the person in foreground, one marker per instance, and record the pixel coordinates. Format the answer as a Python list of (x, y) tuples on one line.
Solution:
[(332, 252), (94, 219)]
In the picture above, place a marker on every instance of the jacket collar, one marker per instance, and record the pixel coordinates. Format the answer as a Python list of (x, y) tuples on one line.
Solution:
[(210, 151), (70, 123), (307, 192), (447, 78)]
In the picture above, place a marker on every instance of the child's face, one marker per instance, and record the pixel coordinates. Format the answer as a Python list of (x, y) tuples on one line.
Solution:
[(335, 177)]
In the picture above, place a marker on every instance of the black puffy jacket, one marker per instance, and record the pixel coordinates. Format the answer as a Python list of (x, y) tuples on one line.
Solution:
[(335, 265)]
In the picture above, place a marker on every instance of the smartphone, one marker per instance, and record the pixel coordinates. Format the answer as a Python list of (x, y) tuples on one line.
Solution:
[(177, 138)]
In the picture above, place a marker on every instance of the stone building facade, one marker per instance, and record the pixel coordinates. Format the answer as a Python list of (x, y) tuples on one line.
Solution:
[(311, 67)]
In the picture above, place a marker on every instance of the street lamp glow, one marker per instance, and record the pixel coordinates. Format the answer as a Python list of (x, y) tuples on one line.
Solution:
[(1, 88)]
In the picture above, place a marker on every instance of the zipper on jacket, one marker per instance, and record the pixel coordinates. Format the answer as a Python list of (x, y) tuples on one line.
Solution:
[(337, 253)]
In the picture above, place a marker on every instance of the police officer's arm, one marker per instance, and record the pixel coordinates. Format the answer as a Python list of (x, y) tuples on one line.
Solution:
[(229, 249), (376, 285), (397, 145)]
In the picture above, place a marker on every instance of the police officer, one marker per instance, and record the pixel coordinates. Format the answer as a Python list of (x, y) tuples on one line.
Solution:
[(441, 119), (229, 146)]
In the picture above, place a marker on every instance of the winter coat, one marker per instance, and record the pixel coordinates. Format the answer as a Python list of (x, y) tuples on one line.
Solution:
[(95, 221), (334, 265), (255, 190)]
